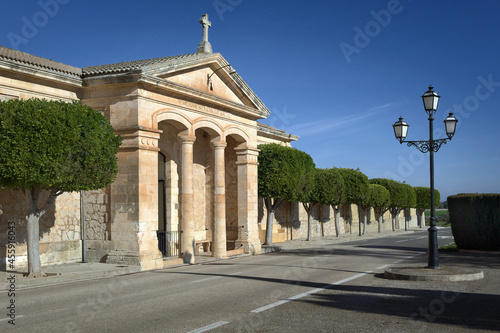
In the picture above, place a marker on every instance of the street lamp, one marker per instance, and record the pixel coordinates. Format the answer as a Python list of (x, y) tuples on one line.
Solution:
[(431, 100)]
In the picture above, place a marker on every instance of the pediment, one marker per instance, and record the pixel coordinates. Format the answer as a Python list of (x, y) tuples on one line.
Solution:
[(210, 79), (188, 73), (210, 74)]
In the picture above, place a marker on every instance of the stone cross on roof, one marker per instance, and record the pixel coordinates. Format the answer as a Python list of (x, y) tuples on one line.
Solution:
[(204, 46)]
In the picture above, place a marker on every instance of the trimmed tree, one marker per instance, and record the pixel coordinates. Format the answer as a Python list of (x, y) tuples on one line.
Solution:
[(284, 174), (356, 189), (51, 147), (411, 200), (397, 194), (379, 199), (423, 197), (328, 190), (331, 191)]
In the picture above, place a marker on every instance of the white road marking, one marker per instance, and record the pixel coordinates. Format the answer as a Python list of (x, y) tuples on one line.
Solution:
[(307, 293), (328, 286), (213, 277), (7, 319), (209, 327)]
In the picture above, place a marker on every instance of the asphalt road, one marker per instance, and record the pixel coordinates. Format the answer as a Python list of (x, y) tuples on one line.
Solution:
[(337, 288)]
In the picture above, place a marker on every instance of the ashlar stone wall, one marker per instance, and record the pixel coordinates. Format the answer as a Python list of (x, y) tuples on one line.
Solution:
[(291, 221)]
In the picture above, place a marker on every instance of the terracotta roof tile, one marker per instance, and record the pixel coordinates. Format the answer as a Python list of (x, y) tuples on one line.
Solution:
[(127, 66), (25, 58)]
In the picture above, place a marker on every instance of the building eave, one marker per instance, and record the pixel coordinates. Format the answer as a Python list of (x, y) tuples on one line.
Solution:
[(267, 131)]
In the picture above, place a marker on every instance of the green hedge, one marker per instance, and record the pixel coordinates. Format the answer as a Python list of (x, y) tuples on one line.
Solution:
[(475, 221)]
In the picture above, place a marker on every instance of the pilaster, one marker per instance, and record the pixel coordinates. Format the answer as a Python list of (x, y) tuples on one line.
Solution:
[(246, 161), (134, 209)]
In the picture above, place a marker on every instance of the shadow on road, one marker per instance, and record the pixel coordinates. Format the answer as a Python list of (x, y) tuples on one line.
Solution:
[(420, 306)]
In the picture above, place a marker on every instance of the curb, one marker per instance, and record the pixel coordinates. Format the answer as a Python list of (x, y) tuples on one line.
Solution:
[(449, 274)]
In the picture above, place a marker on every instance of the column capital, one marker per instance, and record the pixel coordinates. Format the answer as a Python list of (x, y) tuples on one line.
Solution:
[(247, 155), (186, 138), (218, 145), (247, 150)]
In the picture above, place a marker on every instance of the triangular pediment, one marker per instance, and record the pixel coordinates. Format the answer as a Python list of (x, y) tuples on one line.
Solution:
[(191, 72), (212, 79)]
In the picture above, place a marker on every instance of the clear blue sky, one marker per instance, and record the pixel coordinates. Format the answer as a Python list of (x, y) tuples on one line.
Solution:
[(336, 73)]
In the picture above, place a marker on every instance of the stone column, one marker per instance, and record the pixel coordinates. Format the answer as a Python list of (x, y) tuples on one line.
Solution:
[(134, 201), (246, 161), (219, 231), (187, 198)]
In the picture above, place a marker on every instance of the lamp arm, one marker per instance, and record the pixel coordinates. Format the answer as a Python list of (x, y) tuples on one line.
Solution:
[(217, 71), (424, 146)]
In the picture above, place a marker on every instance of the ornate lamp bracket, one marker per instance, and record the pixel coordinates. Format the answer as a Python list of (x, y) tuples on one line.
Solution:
[(425, 146)]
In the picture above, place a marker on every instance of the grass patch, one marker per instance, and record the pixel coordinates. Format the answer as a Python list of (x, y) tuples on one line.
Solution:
[(450, 247), (442, 218), (439, 212)]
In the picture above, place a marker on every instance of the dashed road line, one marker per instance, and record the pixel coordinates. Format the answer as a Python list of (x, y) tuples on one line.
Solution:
[(6, 319), (209, 327), (214, 277), (307, 293)]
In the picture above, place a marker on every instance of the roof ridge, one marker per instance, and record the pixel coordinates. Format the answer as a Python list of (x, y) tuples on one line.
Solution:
[(137, 64)]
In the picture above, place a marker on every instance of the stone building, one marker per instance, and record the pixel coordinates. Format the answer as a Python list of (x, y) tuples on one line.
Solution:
[(187, 165), (187, 177)]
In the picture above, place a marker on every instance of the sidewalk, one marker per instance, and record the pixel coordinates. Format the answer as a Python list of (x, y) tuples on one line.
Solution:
[(66, 273)]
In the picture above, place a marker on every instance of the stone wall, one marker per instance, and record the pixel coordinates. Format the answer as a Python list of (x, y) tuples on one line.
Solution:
[(59, 228), (291, 221), (97, 225)]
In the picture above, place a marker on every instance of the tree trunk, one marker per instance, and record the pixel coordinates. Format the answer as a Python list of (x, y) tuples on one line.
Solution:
[(393, 215), (321, 220), (33, 232), (380, 220), (271, 209), (33, 229), (419, 217), (33, 245), (308, 208), (337, 220), (360, 218), (365, 222)]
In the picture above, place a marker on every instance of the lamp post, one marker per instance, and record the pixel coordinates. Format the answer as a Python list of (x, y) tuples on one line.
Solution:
[(431, 100)]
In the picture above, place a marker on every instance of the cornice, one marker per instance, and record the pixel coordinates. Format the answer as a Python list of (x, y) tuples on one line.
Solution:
[(41, 73)]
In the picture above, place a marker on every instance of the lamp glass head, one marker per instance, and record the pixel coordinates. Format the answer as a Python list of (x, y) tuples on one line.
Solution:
[(431, 100), (451, 124), (400, 129)]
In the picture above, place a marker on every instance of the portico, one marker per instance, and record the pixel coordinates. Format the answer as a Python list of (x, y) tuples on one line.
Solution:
[(207, 137)]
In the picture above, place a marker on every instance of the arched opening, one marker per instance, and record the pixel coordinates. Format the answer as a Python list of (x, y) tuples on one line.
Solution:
[(231, 181), (162, 207), (234, 230), (168, 188), (203, 175)]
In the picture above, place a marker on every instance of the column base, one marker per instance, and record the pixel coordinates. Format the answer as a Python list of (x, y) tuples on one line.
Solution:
[(147, 261), (249, 246)]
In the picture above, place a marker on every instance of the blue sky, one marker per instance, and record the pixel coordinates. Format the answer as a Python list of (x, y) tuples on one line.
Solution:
[(336, 73)]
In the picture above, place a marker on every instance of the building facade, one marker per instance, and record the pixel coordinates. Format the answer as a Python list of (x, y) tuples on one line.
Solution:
[(187, 179)]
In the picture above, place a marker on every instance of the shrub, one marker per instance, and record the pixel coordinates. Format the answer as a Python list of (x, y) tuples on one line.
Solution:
[(475, 221)]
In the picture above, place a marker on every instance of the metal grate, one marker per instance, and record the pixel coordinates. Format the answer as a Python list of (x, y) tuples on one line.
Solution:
[(168, 243)]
